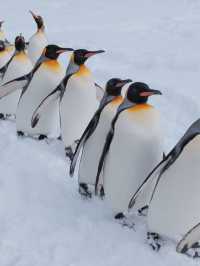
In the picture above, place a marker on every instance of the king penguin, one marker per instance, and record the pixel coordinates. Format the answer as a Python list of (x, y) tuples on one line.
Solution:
[(16, 66), (132, 147), (78, 102), (174, 209), (38, 41), (45, 77), (95, 134)]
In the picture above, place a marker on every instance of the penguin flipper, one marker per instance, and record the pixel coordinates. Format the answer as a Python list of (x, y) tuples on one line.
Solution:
[(99, 92), (103, 157), (190, 239), (167, 161), (54, 95), (155, 173), (6, 90), (86, 134)]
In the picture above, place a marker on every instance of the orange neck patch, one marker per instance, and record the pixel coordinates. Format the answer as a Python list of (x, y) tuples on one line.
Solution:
[(52, 65), (140, 107), (118, 100), (21, 56), (83, 71)]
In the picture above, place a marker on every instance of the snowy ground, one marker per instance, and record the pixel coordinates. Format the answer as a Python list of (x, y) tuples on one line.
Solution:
[(43, 221)]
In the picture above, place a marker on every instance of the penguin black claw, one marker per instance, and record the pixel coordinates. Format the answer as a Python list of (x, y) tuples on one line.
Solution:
[(193, 252), (84, 192), (42, 137), (124, 221), (143, 211), (20, 134), (154, 241), (2, 117)]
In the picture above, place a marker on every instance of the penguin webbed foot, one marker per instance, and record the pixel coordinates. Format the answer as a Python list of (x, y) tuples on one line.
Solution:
[(84, 191), (124, 221), (143, 211), (20, 133), (154, 241), (42, 137), (69, 153), (2, 116), (100, 192), (193, 251)]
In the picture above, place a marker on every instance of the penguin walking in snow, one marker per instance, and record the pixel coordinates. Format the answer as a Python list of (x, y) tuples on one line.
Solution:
[(78, 102), (38, 41), (94, 136), (17, 65), (132, 148), (174, 209)]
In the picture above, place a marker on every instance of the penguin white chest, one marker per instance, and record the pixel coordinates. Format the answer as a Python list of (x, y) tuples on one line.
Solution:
[(44, 81), (175, 207), (36, 45), (93, 147), (78, 105), (135, 149), (19, 66)]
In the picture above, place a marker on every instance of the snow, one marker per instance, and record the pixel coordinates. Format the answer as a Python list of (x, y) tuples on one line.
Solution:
[(43, 220)]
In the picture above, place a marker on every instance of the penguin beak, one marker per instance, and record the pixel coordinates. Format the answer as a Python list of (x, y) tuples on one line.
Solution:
[(62, 50), (91, 53), (33, 15), (150, 93), (123, 82)]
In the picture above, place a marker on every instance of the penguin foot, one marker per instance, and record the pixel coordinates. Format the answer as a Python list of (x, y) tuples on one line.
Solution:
[(102, 193), (143, 211), (154, 241), (84, 191), (2, 117), (20, 134), (124, 221), (193, 251), (69, 153), (42, 137)]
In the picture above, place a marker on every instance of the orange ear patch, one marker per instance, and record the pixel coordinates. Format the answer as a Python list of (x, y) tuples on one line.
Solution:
[(140, 107), (52, 65), (83, 71)]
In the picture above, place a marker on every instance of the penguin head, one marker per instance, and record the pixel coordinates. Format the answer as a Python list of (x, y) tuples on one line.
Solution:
[(38, 19), (81, 55), (139, 92), (114, 86), (52, 51), (20, 43), (2, 46)]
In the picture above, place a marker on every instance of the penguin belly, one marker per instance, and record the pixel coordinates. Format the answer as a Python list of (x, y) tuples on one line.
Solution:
[(19, 66), (36, 45), (175, 207), (43, 83), (77, 107), (136, 148), (93, 147)]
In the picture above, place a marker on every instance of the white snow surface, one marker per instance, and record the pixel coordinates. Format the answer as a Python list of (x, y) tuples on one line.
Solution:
[(43, 220)]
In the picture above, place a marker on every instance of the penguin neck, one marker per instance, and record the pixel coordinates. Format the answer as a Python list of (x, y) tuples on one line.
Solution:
[(79, 70), (41, 30)]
